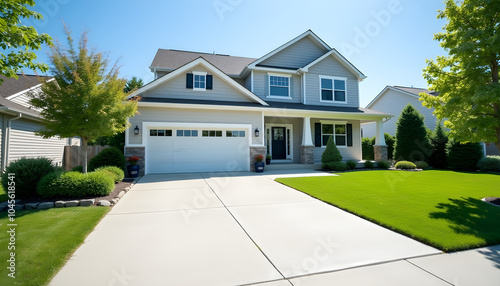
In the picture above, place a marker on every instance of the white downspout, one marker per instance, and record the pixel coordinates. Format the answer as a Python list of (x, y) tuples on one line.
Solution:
[(7, 140)]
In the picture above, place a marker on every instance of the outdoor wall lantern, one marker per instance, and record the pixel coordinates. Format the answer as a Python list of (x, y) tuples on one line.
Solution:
[(256, 132), (136, 130)]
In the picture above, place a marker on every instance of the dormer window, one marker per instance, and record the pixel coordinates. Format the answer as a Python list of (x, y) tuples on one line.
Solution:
[(279, 85), (199, 81), (333, 89)]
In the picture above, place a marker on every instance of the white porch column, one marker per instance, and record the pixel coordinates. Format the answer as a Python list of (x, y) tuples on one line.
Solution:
[(306, 132), (380, 138)]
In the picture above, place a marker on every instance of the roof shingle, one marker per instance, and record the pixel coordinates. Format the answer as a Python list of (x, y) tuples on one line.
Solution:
[(12, 86)]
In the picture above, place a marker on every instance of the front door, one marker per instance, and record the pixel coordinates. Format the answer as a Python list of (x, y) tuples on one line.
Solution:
[(279, 142)]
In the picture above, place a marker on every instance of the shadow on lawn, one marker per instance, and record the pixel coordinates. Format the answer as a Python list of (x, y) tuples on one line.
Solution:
[(471, 216)]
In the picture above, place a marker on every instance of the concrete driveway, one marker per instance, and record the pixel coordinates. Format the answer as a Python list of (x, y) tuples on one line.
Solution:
[(236, 229)]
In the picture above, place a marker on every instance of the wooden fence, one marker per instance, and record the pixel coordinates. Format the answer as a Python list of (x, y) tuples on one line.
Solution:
[(73, 155)]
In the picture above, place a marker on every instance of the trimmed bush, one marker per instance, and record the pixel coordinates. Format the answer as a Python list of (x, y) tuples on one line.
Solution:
[(351, 164), (117, 173), (369, 164), (76, 185), (335, 166), (412, 142), (367, 148), (28, 172), (389, 141), (47, 186), (383, 165), (77, 169), (405, 165), (489, 164), (463, 156), (108, 157), (421, 165), (331, 153)]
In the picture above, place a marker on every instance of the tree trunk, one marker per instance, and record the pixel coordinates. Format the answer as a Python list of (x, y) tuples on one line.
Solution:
[(84, 153)]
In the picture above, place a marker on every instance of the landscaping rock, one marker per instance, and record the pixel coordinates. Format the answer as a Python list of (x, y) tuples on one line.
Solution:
[(104, 203), (74, 203), (87, 203), (60, 204), (121, 194), (114, 201), (18, 207), (46, 205), (31, 206)]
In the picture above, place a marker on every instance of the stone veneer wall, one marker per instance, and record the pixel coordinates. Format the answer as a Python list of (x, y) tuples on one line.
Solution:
[(255, 150), (140, 152), (306, 154), (380, 152)]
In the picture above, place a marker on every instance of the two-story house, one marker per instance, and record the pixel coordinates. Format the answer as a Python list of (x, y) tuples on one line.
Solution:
[(209, 112)]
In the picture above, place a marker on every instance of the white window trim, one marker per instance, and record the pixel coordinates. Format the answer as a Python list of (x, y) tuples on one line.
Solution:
[(338, 123), (333, 86), (195, 73), (269, 86), (270, 147)]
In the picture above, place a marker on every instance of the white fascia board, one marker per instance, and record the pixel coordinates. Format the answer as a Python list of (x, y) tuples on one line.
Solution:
[(336, 55), (385, 90), (289, 43), (27, 90), (276, 70), (188, 67), (279, 112)]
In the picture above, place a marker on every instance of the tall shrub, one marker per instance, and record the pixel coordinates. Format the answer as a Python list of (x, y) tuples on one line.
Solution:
[(108, 157), (331, 153), (412, 143), (390, 141), (463, 156), (367, 148), (27, 173), (438, 142)]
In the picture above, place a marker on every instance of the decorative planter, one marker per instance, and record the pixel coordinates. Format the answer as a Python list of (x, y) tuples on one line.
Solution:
[(259, 167), (133, 170), (268, 161)]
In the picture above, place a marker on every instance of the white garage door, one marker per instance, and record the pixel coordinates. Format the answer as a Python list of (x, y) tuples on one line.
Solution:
[(179, 150)]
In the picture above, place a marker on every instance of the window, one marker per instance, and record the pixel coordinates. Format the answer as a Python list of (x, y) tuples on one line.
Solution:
[(199, 81), (333, 89), (160, 132), (337, 131), (279, 86), (187, 133), (211, 133), (235, 133)]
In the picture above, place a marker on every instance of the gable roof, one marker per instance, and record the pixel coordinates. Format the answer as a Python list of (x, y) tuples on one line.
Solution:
[(307, 33), (410, 91), (173, 59), (340, 58), (12, 86), (187, 67)]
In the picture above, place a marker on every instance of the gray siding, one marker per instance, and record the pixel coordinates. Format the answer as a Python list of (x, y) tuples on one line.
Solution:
[(22, 99), (153, 114), (330, 67), (248, 82), (348, 153), (261, 86), (297, 55), (176, 88), (24, 143)]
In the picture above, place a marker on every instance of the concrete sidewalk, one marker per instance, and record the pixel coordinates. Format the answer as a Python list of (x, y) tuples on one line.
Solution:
[(246, 229)]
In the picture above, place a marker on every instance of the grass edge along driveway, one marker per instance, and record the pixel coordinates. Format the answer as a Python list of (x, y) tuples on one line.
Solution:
[(439, 208), (45, 240)]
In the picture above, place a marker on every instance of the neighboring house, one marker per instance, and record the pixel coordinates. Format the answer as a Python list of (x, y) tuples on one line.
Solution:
[(393, 99), (210, 112), (19, 121)]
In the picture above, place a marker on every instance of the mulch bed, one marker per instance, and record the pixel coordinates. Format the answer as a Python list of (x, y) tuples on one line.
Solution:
[(493, 200), (118, 188)]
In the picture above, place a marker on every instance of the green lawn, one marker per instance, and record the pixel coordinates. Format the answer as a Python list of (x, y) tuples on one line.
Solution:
[(3, 194), (45, 239), (440, 208)]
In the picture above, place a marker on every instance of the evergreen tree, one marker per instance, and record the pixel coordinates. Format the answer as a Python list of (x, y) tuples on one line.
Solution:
[(463, 156), (412, 143), (438, 141), (133, 84), (331, 153)]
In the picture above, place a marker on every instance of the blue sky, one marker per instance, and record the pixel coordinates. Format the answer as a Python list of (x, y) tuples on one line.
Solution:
[(388, 40)]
